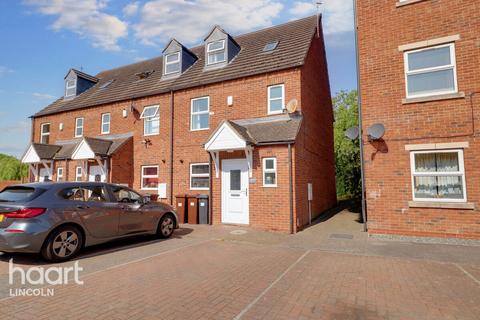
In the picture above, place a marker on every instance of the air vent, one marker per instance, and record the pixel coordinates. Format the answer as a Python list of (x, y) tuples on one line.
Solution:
[(270, 46)]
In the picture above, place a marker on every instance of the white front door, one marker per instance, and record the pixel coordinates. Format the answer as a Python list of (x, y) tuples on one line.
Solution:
[(44, 175), (235, 191), (96, 174)]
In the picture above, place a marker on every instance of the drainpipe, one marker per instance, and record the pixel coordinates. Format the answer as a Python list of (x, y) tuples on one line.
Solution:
[(172, 118), (362, 163), (210, 191), (290, 186)]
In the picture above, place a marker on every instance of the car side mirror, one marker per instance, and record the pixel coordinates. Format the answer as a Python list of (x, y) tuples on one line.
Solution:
[(146, 200)]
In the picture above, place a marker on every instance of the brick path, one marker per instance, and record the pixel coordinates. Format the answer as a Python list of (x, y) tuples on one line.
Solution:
[(211, 274)]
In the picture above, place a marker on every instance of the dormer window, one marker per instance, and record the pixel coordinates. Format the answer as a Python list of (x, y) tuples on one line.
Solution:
[(70, 88), (216, 52), (172, 63)]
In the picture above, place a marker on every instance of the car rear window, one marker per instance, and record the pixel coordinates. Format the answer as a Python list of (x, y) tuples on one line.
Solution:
[(18, 194)]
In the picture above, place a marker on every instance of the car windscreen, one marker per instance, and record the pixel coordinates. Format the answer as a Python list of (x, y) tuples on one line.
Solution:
[(19, 194)]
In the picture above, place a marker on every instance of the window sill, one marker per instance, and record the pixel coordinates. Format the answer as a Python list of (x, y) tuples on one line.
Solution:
[(442, 205), (406, 3), (458, 95)]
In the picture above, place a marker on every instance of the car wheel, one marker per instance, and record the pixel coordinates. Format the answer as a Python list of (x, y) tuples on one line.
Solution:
[(63, 244), (166, 226)]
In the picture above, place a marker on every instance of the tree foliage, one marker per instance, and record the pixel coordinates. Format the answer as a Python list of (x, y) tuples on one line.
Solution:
[(347, 152), (11, 168)]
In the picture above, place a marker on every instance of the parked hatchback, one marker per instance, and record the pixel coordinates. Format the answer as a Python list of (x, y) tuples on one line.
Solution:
[(59, 219)]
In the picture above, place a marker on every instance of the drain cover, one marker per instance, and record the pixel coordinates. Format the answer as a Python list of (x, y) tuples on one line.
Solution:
[(238, 232), (341, 236)]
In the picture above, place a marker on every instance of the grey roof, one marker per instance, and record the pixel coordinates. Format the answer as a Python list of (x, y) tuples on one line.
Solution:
[(83, 75), (99, 146), (276, 129), (45, 151), (294, 42)]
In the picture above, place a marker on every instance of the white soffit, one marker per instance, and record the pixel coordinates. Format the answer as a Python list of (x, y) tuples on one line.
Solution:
[(83, 151), (226, 138), (31, 156)]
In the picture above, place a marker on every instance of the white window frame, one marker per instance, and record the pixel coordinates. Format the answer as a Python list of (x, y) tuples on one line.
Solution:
[(453, 66), (149, 176), (265, 170), (178, 60), (74, 86), (78, 174), (43, 134), (105, 122), (79, 127), (214, 51), (59, 174), (269, 88), (151, 119), (199, 175), (199, 113), (460, 173)]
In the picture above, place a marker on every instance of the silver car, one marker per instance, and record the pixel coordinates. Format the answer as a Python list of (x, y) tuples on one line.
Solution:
[(59, 219)]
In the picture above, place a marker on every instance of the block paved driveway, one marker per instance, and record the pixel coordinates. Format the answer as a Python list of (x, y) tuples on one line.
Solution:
[(330, 271)]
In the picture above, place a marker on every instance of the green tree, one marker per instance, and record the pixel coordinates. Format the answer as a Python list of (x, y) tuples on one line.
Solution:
[(347, 152), (11, 168)]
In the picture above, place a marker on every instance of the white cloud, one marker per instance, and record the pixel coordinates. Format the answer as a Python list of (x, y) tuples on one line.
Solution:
[(4, 70), (131, 9), (337, 14), (189, 21), (85, 18), (45, 96)]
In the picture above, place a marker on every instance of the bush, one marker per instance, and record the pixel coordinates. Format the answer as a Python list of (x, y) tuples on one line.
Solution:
[(11, 168)]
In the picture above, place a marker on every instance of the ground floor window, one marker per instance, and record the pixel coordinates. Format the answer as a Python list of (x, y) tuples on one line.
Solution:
[(150, 177), (78, 174), (269, 172), (59, 174), (438, 176), (199, 176)]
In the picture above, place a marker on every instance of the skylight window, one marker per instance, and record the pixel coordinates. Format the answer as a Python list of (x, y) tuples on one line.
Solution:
[(106, 84), (270, 46), (172, 63)]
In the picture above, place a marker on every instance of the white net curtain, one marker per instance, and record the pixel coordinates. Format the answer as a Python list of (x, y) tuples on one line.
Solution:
[(440, 176)]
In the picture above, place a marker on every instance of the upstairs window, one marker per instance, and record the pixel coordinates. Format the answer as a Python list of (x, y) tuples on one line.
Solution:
[(45, 133), (216, 52), (438, 176), (71, 88), (200, 114), (172, 63), (199, 176), (106, 123), (151, 120), (431, 71), (276, 99), (79, 127)]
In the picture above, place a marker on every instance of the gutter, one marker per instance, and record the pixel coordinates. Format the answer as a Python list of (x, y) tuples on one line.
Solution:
[(362, 163)]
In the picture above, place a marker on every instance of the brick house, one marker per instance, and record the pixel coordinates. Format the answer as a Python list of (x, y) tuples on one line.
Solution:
[(420, 78), (209, 120)]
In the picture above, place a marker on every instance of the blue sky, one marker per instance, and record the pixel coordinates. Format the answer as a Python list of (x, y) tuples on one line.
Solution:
[(42, 39)]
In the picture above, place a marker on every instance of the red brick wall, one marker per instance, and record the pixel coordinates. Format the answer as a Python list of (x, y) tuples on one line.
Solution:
[(382, 28)]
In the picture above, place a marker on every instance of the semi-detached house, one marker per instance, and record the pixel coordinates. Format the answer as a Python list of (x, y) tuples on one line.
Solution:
[(209, 120)]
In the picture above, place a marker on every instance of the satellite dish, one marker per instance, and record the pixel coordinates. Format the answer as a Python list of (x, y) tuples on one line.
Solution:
[(376, 131), (292, 105), (352, 133)]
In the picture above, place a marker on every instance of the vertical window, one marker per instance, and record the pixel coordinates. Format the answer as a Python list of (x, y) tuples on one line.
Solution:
[(431, 71), (71, 88), (105, 123), (150, 177), (79, 127), (200, 113), (276, 99), (151, 120), (269, 172), (199, 176), (438, 176), (45, 133), (216, 52), (60, 174), (172, 63), (78, 174)]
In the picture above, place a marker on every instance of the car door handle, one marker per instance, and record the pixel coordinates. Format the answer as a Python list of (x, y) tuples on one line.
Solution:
[(83, 207)]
